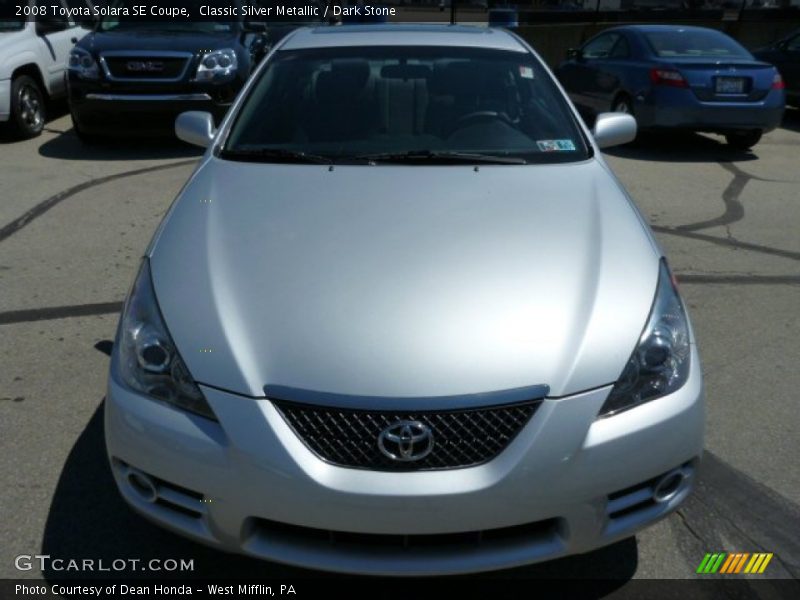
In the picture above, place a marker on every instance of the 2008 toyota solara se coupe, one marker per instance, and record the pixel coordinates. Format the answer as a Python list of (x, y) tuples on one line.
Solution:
[(403, 319)]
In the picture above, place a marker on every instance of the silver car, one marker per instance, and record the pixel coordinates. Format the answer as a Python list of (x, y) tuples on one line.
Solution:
[(403, 319)]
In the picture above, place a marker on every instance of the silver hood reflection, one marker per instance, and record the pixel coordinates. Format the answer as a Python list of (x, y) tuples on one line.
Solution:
[(404, 281)]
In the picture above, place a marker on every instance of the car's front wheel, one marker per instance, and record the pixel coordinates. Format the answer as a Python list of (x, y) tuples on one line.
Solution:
[(87, 138), (28, 112), (743, 140)]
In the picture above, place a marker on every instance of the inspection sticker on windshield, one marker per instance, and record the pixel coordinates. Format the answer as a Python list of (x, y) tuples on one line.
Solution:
[(525, 72), (556, 145)]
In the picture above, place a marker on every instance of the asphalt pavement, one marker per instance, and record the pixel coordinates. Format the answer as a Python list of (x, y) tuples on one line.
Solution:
[(74, 221)]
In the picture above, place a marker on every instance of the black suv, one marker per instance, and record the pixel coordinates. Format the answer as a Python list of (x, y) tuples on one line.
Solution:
[(133, 76)]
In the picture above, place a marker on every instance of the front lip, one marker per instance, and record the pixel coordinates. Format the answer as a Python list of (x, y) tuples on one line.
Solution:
[(196, 97)]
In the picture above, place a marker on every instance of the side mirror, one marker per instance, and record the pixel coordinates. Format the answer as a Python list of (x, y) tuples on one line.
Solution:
[(614, 129), (196, 128), (574, 54)]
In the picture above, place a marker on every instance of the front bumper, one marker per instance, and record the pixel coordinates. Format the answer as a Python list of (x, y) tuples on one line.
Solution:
[(103, 107), (568, 483), (139, 114), (677, 108)]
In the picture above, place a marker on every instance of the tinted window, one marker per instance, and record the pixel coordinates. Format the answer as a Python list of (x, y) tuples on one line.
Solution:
[(83, 12), (794, 44), (292, 7), (9, 20), (601, 46), (350, 102), (694, 43), (177, 25), (53, 18), (622, 49)]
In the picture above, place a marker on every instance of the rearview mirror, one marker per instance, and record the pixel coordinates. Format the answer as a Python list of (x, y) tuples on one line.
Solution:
[(196, 128), (574, 54), (255, 26), (614, 129), (405, 72)]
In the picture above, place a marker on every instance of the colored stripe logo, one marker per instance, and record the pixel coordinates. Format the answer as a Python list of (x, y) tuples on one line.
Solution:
[(735, 562)]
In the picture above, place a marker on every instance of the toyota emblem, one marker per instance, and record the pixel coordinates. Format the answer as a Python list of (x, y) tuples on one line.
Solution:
[(406, 441)]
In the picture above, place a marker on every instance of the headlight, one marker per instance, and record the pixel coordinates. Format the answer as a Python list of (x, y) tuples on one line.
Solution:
[(217, 65), (660, 363), (83, 63), (148, 360)]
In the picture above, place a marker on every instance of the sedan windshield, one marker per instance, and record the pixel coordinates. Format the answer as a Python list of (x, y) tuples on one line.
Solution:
[(8, 19), (118, 20), (687, 43), (405, 104)]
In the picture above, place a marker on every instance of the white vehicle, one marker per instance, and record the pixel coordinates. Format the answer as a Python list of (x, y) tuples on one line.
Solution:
[(35, 41)]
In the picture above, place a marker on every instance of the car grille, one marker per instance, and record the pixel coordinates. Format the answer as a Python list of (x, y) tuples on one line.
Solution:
[(461, 438), (146, 67)]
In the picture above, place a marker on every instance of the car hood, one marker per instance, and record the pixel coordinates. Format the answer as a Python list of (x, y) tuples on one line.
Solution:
[(401, 281), (143, 41)]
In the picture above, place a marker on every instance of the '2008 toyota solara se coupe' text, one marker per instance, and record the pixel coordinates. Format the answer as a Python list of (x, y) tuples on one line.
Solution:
[(403, 319)]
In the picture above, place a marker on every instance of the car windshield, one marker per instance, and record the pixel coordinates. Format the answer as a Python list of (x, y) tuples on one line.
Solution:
[(290, 11), (8, 20), (693, 43), (122, 16), (405, 103)]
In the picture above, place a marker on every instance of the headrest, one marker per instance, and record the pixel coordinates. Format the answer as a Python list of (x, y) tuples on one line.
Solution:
[(344, 82)]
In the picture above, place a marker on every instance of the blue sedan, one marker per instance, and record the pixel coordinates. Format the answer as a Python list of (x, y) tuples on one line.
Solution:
[(676, 77)]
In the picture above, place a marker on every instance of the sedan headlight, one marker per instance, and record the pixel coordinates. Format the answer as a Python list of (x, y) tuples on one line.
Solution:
[(148, 360), (217, 65), (83, 63), (660, 363)]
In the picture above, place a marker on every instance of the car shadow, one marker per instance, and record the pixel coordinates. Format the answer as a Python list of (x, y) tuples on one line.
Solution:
[(684, 147), (55, 110), (68, 146), (791, 119), (89, 519)]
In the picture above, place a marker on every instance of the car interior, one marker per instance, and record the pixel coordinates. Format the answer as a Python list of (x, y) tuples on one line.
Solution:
[(399, 105)]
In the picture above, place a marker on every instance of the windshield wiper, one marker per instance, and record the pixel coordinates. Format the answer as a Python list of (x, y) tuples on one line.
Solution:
[(277, 155), (446, 156)]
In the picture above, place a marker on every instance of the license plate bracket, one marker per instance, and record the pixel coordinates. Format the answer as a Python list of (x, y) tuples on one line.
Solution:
[(730, 85)]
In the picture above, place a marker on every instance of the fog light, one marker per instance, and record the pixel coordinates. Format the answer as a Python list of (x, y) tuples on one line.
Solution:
[(143, 485)]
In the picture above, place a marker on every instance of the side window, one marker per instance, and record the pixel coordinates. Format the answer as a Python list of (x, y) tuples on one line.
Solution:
[(82, 11), (51, 21), (794, 44), (622, 48), (600, 47)]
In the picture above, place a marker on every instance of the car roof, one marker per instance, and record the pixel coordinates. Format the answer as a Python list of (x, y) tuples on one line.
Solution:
[(402, 35)]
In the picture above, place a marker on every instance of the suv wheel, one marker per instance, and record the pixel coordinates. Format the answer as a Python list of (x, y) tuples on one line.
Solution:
[(87, 138), (28, 112), (743, 140)]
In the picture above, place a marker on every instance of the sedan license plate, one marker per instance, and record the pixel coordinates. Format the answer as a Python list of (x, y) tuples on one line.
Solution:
[(730, 85)]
